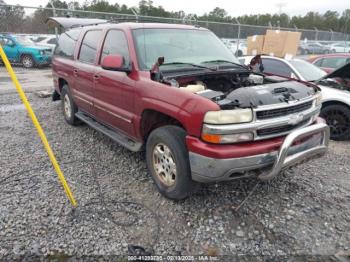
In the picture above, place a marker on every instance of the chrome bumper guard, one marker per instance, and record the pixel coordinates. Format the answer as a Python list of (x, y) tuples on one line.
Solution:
[(283, 160)]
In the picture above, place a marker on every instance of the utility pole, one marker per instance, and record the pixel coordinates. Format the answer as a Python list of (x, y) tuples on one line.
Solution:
[(280, 7), (239, 33), (54, 14), (136, 14)]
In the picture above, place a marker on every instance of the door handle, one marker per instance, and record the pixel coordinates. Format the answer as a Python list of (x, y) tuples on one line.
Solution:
[(75, 72), (96, 77)]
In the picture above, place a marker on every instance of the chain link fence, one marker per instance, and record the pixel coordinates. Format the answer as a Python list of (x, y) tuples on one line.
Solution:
[(32, 20)]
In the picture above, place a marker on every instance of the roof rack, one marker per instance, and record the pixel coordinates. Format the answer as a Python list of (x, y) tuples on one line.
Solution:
[(74, 22)]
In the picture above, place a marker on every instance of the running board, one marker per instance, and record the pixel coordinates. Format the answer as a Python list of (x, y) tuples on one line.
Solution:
[(111, 133)]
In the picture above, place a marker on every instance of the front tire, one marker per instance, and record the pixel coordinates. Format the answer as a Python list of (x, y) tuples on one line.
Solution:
[(168, 162), (338, 119), (27, 61), (68, 106)]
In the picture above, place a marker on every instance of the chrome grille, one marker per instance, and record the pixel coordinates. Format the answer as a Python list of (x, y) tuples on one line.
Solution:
[(266, 114), (280, 129)]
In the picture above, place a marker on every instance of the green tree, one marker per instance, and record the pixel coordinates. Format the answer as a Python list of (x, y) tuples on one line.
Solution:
[(11, 18)]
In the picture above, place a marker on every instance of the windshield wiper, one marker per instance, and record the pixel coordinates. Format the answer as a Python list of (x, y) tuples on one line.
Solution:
[(190, 64), (224, 61)]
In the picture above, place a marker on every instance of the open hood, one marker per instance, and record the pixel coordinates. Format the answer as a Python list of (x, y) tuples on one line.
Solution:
[(69, 22), (342, 72)]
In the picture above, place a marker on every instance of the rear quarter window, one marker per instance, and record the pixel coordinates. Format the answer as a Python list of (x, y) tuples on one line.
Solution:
[(66, 43)]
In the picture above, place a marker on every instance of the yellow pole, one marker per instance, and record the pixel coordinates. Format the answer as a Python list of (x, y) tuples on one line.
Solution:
[(37, 126)]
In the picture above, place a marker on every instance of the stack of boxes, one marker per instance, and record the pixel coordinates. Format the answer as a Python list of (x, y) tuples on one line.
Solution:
[(278, 43)]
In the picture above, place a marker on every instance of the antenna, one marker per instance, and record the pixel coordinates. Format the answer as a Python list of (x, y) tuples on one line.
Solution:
[(280, 6)]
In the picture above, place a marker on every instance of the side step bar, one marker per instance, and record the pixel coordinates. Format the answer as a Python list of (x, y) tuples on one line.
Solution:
[(111, 133)]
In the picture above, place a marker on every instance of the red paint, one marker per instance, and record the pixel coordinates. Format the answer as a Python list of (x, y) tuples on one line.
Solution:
[(313, 59), (112, 61)]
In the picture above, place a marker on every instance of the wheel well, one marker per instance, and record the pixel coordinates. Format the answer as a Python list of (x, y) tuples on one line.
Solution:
[(24, 54), (328, 103), (152, 119), (61, 83)]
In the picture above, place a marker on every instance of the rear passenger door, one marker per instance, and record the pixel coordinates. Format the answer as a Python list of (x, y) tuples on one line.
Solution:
[(84, 71), (114, 91)]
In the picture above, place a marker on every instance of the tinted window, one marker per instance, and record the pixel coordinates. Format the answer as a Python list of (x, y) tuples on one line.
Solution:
[(66, 43), (116, 44), (276, 67), (318, 62), (52, 41), (40, 38), (334, 62), (88, 48)]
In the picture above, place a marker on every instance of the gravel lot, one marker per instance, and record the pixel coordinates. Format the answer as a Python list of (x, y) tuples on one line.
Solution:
[(304, 212)]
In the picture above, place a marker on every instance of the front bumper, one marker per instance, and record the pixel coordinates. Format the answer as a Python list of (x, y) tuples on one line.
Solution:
[(299, 145)]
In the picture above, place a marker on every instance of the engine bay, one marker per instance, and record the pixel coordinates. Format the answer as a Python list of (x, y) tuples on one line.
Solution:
[(241, 89)]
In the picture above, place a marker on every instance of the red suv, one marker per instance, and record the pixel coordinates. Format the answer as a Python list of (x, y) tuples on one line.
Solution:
[(177, 92)]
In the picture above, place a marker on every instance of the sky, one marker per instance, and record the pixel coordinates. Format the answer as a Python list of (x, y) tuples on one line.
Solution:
[(234, 8)]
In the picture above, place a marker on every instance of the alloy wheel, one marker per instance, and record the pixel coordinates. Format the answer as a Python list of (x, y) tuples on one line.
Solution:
[(164, 164)]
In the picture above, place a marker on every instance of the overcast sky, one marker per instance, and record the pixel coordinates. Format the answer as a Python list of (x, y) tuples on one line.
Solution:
[(234, 8)]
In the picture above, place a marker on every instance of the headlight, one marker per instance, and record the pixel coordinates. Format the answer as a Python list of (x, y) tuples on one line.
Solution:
[(318, 100), (229, 116)]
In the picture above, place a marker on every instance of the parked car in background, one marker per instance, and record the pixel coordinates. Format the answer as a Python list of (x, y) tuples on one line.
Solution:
[(330, 62), (19, 49), (335, 89), (48, 41), (313, 48), (340, 47), (237, 48), (241, 49)]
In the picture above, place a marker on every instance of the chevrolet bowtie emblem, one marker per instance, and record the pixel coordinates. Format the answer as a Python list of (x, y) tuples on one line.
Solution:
[(295, 119)]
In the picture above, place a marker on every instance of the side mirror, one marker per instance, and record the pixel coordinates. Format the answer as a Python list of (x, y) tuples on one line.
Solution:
[(115, 63)]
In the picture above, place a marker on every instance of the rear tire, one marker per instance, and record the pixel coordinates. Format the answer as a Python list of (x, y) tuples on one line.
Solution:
[(27, 61), (168, 162), (69, 108), (338, 119)]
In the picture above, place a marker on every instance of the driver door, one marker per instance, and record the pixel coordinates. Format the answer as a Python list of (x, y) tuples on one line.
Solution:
[(113, 90)]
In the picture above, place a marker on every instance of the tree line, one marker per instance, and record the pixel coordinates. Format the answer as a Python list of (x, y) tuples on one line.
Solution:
[(15, 20)]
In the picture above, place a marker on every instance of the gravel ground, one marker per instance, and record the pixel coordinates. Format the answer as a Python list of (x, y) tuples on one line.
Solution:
[(303, 212)]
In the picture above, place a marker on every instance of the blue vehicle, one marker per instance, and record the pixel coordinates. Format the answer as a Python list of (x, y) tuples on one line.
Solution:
[(20, 49)]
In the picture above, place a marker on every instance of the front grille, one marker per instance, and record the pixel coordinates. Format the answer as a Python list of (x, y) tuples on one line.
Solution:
[(266, 114), (280, 129)]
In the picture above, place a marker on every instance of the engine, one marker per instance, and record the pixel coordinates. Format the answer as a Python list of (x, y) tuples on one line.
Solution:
[(241, 90)]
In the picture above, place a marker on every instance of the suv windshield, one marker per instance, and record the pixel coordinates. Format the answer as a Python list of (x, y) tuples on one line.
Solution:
[(308, 71), (179, 46)]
